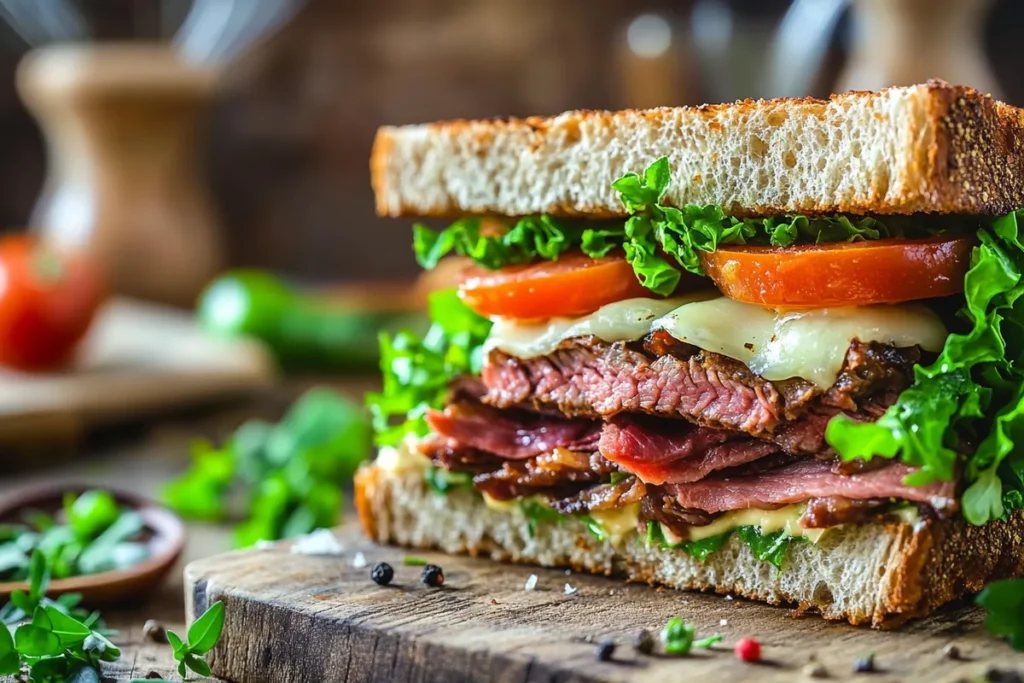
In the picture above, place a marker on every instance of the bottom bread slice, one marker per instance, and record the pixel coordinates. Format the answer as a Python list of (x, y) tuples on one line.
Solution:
[(874, 573)]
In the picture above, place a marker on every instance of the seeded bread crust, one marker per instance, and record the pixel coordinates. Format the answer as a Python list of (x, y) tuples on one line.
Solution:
[(875, 574), (932, 147)]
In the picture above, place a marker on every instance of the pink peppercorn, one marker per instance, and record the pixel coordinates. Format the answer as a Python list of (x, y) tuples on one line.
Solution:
[(748, 650)]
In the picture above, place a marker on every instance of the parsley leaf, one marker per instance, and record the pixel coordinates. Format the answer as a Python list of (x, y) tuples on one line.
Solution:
[(1004, 601)]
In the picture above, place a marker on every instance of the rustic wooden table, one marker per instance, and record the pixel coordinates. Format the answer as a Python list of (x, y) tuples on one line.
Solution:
[(140, 458)]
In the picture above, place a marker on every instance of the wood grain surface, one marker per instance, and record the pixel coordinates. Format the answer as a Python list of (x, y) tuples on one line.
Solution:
[(301, 618), (138, 360)]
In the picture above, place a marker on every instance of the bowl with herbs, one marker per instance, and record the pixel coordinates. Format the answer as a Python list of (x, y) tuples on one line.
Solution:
[(109, 546)]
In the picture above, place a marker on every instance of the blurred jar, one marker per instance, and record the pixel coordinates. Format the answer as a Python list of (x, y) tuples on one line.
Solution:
[(901, 42), (122, 124)]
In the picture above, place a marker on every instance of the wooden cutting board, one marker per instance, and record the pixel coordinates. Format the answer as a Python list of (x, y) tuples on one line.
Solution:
[(137, 359), (301, 618)]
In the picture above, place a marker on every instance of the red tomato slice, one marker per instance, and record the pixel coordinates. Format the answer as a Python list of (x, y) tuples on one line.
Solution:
[(573, 285), (842, 273)]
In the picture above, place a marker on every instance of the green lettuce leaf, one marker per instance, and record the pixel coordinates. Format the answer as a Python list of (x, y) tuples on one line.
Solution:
[(700, 550), (771, 548), (653, 237), (417, 372), (973, 392)]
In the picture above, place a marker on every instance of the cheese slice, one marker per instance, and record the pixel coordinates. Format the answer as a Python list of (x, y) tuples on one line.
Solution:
[(777, 345), (619, 321), (811, 344)]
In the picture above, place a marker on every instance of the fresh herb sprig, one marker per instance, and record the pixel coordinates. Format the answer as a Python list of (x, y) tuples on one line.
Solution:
[(678, 638), (289, 473), (203, 636), (93, 535), (51, 641)]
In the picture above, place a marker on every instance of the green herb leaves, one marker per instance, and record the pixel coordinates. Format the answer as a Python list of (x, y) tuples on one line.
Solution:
[(99, 536), (51, 639), (203, 636), (289, 473), (418, 372), (677, 638), (974, 391), (1004, 601)]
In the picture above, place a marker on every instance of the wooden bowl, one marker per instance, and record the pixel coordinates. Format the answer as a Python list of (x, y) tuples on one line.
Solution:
[(166, 541)]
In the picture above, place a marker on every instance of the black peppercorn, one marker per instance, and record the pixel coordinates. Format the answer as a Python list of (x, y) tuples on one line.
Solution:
[(605, 650), (865, 665), (382, 573), (994, 675), (951, 652), (432, 575), (644, 643)]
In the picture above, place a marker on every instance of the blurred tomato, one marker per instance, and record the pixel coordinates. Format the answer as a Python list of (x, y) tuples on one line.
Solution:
[(47, 301)]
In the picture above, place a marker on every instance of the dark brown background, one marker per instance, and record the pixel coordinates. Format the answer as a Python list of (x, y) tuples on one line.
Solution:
[(290, 134)]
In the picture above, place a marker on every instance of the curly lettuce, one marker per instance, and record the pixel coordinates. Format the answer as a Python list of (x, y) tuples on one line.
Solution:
[(971, 398), (656, 239), (417, 373)]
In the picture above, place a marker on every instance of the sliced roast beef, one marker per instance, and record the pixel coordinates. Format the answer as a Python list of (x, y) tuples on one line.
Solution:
[(803, 480), (661, 376), (671, 450), (512, 434)]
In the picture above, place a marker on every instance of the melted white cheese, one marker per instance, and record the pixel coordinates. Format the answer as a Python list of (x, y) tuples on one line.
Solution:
[(768, 521), (811, 344), (777, 345), (620, 321)]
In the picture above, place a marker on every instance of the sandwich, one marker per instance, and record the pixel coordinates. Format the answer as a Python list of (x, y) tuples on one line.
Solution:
[(770, 349)]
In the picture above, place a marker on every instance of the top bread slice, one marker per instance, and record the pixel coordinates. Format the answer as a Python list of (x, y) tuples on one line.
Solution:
[(932, 148)]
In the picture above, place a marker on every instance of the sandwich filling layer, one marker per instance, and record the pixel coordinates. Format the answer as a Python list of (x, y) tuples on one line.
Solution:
[(694, 375)]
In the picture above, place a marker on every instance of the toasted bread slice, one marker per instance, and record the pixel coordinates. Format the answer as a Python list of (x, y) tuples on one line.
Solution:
[(924, 148), (877, 574)]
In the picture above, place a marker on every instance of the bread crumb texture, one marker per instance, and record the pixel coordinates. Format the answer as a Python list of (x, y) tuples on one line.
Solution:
[(876, 574), (924, 148)]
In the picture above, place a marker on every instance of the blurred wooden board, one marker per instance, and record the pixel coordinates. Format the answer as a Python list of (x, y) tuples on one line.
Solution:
[(300, 618), (137, 360)]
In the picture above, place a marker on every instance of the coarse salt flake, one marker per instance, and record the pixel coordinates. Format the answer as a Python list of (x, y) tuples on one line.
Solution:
[(359, 561), (320, 542), (569, 590), (531, 582)]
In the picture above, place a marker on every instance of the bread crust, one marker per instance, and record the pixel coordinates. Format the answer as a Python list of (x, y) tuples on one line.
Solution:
[(919, 567), (932, 147)]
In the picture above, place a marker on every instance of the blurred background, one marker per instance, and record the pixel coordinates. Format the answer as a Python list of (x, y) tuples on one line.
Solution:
[(287, 133), (159, 153)]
